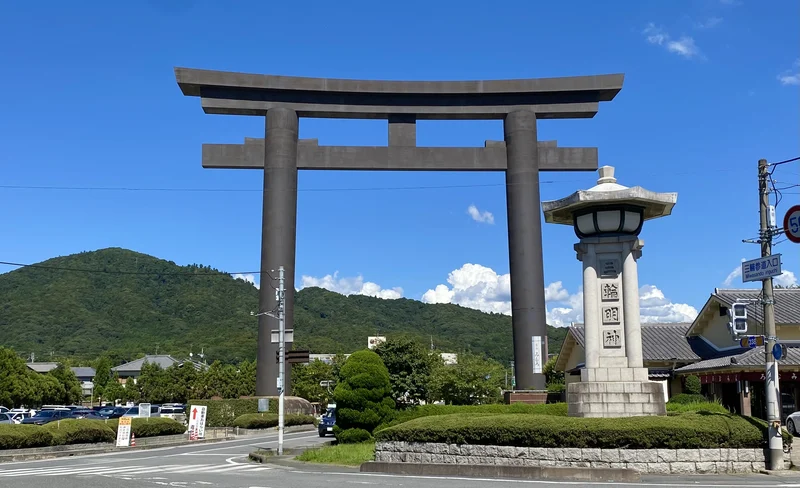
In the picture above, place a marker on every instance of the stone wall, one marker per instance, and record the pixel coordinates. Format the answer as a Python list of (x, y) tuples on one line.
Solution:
[(645, 461)]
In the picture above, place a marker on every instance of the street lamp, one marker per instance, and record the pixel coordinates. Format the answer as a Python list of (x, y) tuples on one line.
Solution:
[(279, 294)]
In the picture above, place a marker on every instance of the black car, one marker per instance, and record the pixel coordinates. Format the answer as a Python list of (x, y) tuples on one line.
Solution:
[(46, 416)]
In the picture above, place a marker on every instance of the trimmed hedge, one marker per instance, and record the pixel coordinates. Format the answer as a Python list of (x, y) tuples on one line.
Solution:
[(24, 436), (555, 409), (79, 431), (704, 406), (222, 413), (686, 431), (150, 427), (269, 420), (685, 398)]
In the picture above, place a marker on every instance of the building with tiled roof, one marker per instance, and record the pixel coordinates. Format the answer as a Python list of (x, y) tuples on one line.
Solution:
[(664, 348), (133, 368), (728, 372)]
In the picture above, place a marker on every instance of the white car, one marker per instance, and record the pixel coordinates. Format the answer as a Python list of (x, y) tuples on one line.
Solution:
[(793, 423)]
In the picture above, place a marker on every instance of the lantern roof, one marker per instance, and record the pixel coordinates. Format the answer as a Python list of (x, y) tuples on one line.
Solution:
[(607, 193)]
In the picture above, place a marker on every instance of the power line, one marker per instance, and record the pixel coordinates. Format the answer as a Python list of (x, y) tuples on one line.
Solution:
[(784, 161), (119, 272), (233, 190)]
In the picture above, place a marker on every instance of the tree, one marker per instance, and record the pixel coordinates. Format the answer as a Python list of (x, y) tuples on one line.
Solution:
[(693, 386), (72, 392), (363, 396), (410, 366), (114, 390), (102, 373), (473, 380), (553, 377), (306, 381)]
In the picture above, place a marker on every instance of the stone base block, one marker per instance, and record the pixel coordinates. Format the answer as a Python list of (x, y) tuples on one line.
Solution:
[(615, 399), (614, 374)]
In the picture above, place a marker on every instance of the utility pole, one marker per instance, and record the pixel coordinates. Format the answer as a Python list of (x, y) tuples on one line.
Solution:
[(772, 383), (281, 356)]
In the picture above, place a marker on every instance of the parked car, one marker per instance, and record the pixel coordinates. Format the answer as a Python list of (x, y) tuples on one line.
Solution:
[(6, 419), (174, 411), (327, 422), (47, 416), (80, 413), (112, 412)]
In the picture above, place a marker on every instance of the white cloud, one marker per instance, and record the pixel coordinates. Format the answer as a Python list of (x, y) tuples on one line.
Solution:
[(709, 23), (480, 287), (787, 278), (484, 217), (791, 77), (350, 286), (685, 46), (246, 277), (736, 273)]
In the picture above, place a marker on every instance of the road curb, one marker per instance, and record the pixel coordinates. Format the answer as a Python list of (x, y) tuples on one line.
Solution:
[(507, 472), (35, 454)]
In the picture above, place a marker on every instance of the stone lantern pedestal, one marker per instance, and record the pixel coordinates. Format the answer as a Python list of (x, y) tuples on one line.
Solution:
[(608, 219)]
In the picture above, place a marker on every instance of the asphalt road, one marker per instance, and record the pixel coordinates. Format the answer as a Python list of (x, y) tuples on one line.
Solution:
[(225, 465)]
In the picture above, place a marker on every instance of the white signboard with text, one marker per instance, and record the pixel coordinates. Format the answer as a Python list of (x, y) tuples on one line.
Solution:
[(124, 432), (197, 422), (538, 365)]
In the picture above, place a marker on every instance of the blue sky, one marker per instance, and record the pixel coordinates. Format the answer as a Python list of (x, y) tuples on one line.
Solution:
[(90, 100)]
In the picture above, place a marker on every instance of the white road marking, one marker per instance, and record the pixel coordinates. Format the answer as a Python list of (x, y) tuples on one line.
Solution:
[(126, 471), (542, 482)]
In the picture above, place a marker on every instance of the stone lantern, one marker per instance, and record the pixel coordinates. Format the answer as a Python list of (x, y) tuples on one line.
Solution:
[(608, 219)]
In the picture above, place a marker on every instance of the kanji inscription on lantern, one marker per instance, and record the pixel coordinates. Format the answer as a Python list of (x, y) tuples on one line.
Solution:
[(610, 291), (611, 315), (609, 268), (612, 338)]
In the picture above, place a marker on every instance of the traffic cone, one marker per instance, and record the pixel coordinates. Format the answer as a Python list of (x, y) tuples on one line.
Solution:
[(133, 439)]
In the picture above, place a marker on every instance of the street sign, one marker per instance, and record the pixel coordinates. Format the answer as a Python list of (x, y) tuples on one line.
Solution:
[(762, 268), (124, 431), (791, 224), (263, 404), (778, 351), (197, 422), (751, 341), (288, 336)]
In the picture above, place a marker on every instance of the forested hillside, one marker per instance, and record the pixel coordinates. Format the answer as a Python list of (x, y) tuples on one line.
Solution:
[(132, 303)]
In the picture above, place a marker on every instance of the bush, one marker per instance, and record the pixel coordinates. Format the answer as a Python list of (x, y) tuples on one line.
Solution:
[(79, 431), (692, 385), (353, 436), (151, 427), (364, 394), (24, 436), (222, 413), (685, 398), (269, 420), (697, 407), (556, 409), (681, 431)]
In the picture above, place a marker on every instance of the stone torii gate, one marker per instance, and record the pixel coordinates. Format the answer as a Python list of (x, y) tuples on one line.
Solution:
[(282, 100)]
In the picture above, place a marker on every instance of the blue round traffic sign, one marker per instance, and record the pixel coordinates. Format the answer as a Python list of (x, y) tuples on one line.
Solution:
[(777, 351)]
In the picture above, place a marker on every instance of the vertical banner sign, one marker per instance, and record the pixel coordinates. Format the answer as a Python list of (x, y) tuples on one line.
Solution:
[(537, 354), (124, 432), (197, 422)]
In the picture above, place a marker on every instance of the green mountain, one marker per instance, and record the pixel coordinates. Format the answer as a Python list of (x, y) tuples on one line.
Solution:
[(123, 304)]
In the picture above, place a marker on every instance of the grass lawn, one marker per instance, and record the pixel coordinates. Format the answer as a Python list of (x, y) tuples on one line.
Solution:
[(342, 454)]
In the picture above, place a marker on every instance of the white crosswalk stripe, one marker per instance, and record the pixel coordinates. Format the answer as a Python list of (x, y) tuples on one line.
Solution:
[(117, 470)]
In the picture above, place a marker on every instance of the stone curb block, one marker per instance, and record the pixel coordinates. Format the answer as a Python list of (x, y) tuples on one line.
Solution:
[(508, 472)]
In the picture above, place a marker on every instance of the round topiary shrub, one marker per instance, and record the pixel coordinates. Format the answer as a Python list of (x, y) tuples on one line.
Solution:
[(353, 436), (363, 395), (692, 385)]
